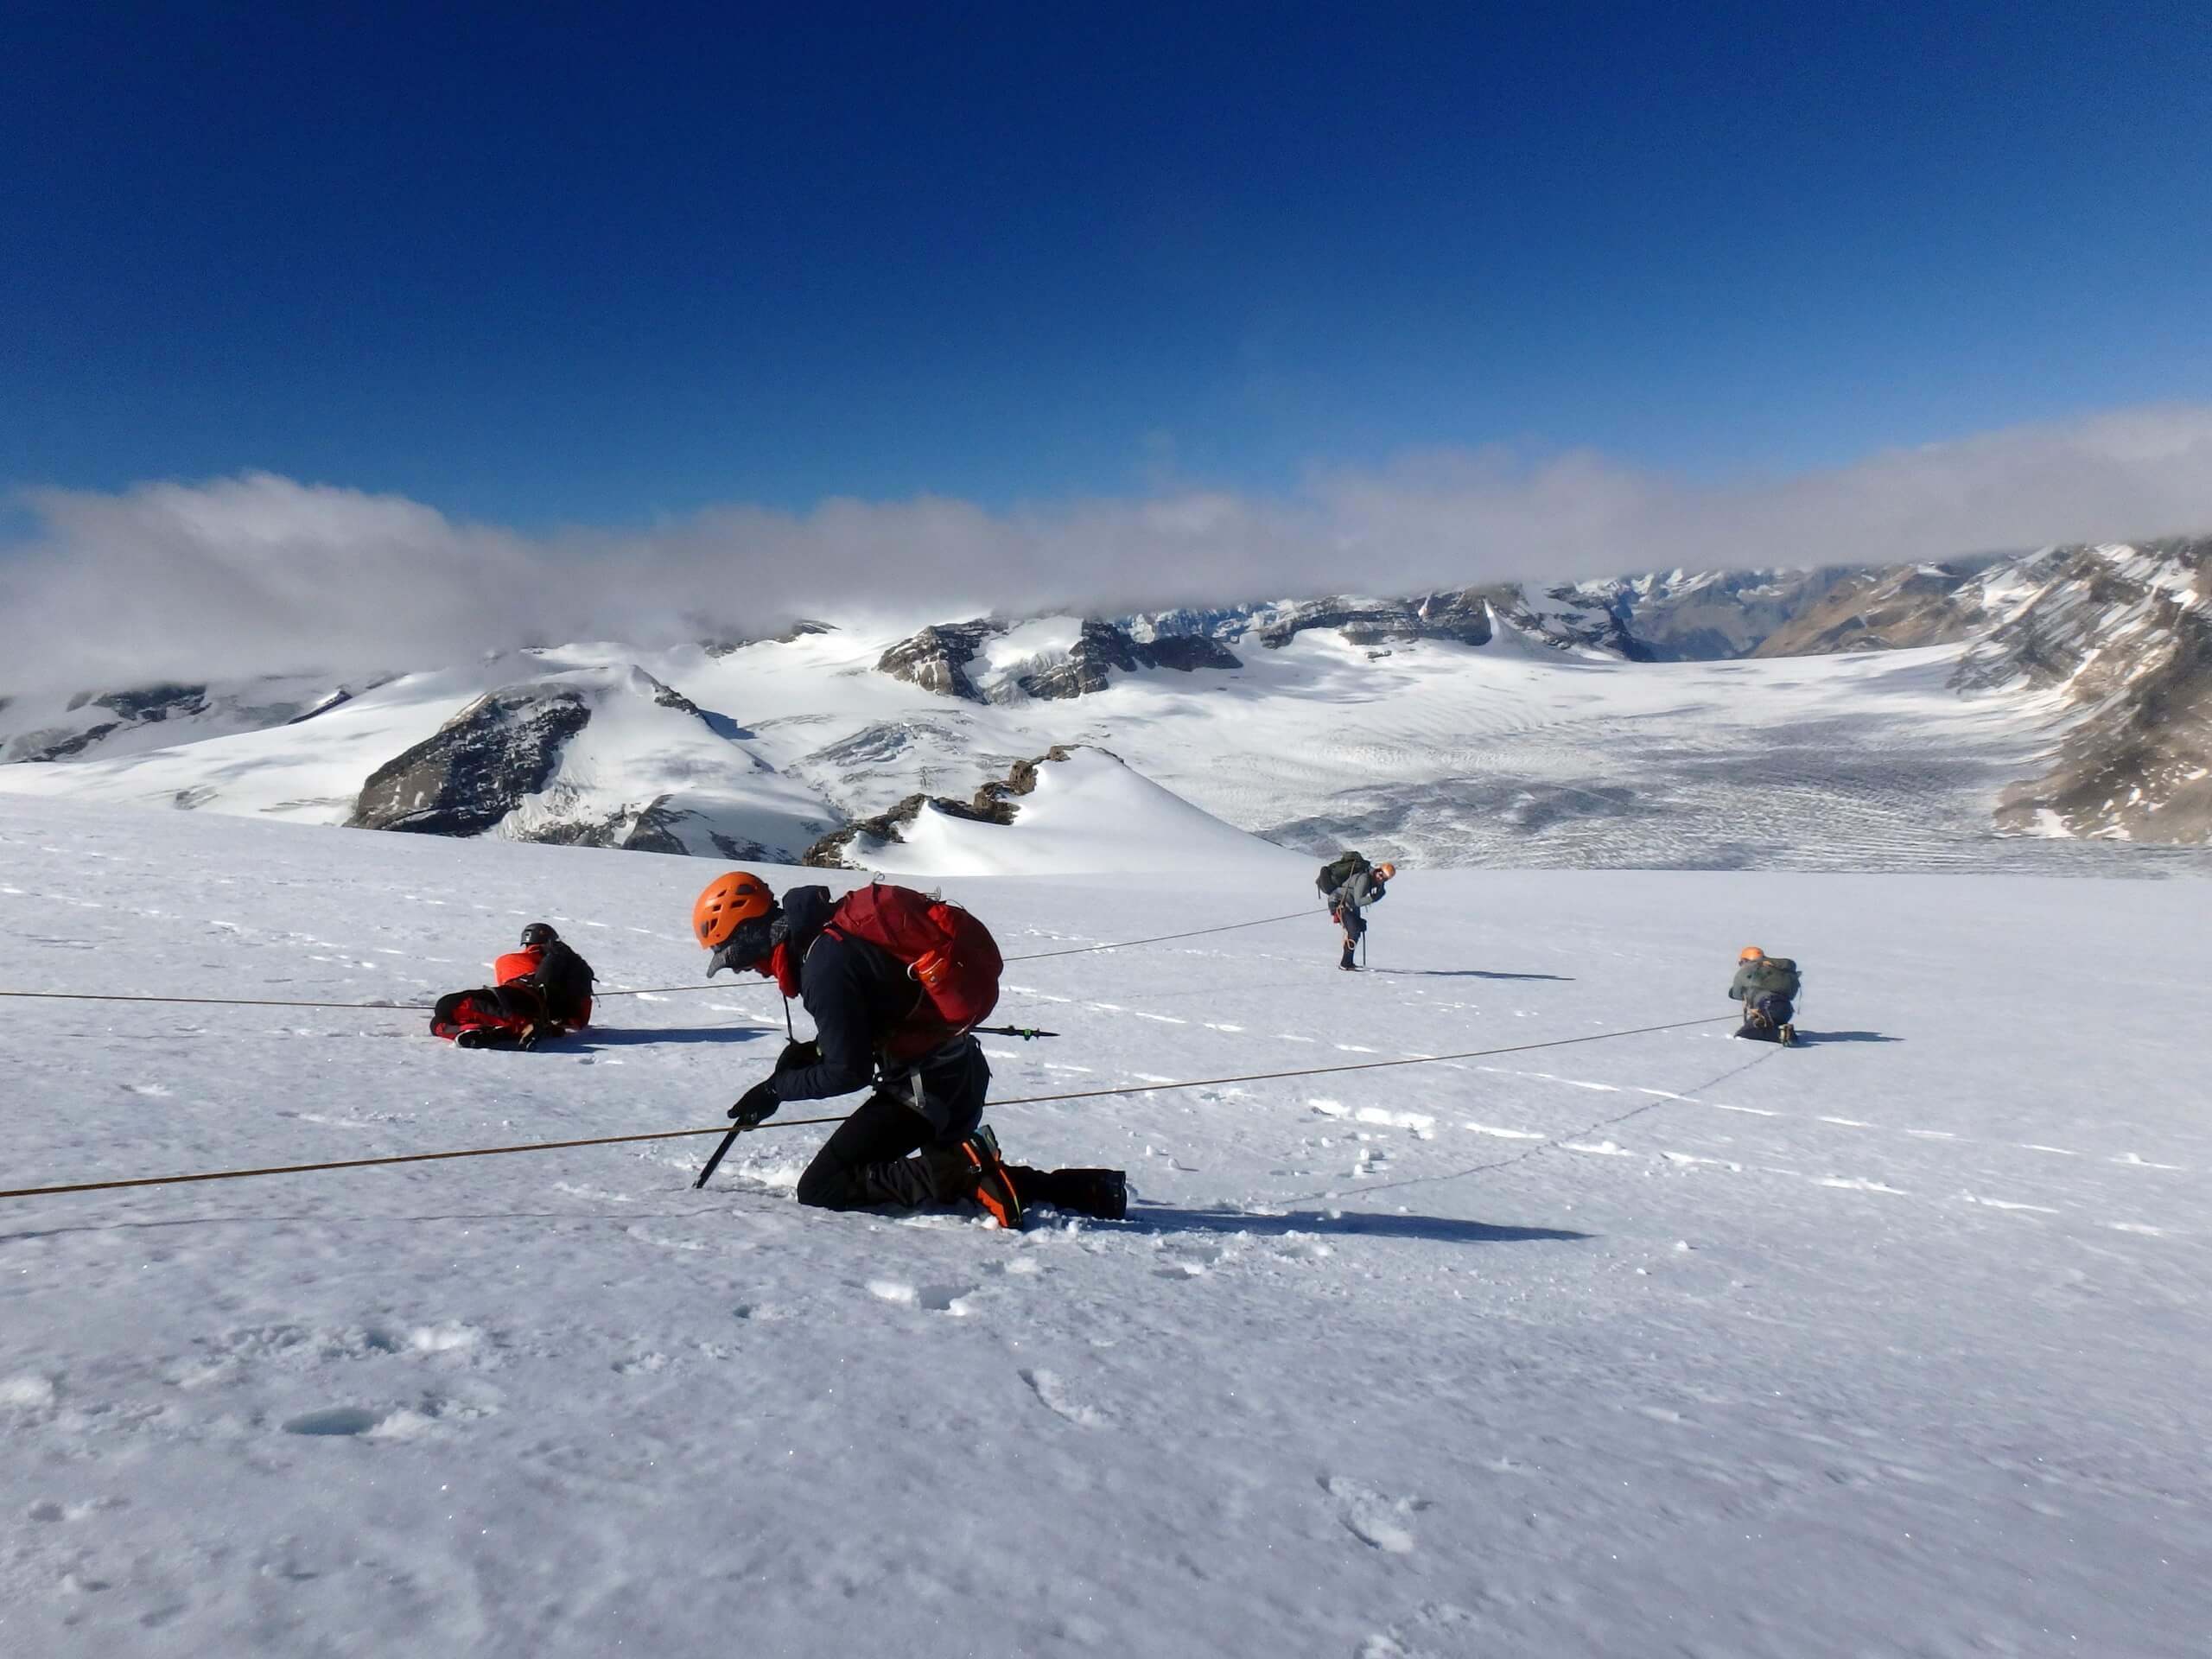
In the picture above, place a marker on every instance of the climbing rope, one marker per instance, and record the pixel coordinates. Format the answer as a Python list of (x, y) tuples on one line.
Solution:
[(648, 990), (802, 1123), (223, 1001)]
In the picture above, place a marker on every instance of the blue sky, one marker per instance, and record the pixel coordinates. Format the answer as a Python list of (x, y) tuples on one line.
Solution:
[(555, 266)]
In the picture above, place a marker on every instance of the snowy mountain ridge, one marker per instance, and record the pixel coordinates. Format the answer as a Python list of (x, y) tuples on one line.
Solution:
[(1475, 725)]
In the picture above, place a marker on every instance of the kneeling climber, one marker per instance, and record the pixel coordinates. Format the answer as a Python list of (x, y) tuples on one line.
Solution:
[(542, 989), (894, 981), (1768, 987)]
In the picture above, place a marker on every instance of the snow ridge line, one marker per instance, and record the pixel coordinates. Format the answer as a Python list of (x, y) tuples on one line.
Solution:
[(802, 1123), (648, 990)]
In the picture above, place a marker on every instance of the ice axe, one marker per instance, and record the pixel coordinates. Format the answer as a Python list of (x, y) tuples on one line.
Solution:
[(715, 1162)]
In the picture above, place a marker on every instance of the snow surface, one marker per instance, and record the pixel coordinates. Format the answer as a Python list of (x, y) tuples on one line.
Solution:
[(1893, 1343), (1088, 813)]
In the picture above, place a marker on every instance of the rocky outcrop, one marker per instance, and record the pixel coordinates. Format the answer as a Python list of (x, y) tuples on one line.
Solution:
[(151, 702), (1362, 622), (1460, 614), (1896, 608), (476, 767), (937, 659), (1186, 652), (992, 803), (648, 829), (797, 630), (1103, 647), (1567, 618), (2123, 635), (52, 746), (91, 719)]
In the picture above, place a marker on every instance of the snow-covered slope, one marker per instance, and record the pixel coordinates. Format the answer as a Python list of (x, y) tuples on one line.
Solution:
[(570, 748), (1079, 811), (1890, 1344)]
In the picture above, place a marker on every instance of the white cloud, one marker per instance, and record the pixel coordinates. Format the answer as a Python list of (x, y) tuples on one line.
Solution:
[(261, 573)]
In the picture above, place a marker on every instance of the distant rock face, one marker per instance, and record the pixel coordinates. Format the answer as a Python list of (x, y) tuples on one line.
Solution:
[(648, 829), (152, 702), (992, 803), (1463, 616), (2124, 633), (243, 706), (937, 659), (476, 767), (1886, 609), (797, 630), (1103, 647)]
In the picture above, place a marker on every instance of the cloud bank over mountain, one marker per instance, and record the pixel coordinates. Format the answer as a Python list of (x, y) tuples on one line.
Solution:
[(263, 573)]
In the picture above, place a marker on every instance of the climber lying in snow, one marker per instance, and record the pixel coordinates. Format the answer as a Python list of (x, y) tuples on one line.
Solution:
[(543, 989)]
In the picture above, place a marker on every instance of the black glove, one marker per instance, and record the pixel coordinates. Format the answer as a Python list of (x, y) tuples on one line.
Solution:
[(798, 1055), (757, 1107)]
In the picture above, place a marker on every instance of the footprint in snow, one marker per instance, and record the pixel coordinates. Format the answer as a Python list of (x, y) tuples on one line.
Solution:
[(1052, 1393), (1380, 1522), (938, 1299)]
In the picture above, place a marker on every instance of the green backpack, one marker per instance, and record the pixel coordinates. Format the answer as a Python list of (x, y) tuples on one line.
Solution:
[(1776, 976), (1339, 870)]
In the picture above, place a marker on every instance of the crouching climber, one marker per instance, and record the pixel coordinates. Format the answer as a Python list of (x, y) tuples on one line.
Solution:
[(1348, 884), (894, 981), (542, 989), (1768, 987)]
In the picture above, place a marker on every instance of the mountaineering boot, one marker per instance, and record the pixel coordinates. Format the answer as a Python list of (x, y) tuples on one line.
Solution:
[(994, 1187), (1787, 1035), (1347, 963), (1102, 1194)]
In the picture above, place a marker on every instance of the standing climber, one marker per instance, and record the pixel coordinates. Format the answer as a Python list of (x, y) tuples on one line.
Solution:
[(1348, 884), (1768, 987), (893, 980)]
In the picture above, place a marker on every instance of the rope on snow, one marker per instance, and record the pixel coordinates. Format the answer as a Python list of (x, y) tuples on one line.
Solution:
[(802, 1123), (648, 990)]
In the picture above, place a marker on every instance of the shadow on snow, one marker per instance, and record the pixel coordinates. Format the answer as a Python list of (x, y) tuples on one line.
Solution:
[(619, 1037), (1467, 973), (1443, 1229)]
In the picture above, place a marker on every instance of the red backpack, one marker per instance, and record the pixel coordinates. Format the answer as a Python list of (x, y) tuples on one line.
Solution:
[(945, 950)]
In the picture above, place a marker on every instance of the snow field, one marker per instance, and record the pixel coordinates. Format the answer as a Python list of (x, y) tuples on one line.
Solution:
[(1668, 1343)]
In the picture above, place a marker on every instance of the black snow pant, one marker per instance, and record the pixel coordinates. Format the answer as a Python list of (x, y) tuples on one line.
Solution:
[(894, 1151), (1775, 1010), (891, 1154)]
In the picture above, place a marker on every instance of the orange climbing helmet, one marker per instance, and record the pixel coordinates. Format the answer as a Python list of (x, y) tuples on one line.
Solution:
[(1387, 871), (1750, 953), (729, 901)]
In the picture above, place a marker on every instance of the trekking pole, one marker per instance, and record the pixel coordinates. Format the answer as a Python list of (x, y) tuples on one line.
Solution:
[(1026, 1033)]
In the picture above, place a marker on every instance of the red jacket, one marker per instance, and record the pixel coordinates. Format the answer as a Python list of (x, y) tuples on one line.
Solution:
[(566, 988)]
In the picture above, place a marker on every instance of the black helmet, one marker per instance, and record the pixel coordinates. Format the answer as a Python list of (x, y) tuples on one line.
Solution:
[(539, 933)]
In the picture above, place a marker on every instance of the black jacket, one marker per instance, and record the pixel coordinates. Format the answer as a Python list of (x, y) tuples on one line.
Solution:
[(854, 992)]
